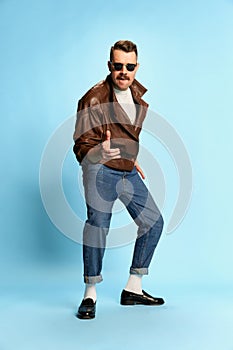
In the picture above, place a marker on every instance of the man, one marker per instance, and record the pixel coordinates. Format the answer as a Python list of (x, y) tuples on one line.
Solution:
[(109, 120)]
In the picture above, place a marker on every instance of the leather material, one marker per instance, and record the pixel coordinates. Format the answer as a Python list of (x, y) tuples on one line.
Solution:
[(98, 111), (87, 309), (130, 298)]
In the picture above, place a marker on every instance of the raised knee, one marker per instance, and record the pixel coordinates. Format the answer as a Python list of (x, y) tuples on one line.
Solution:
[(159, 224), (161, 221)]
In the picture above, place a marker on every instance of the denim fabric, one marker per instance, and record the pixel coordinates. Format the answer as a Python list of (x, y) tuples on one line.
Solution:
[(103, 186)]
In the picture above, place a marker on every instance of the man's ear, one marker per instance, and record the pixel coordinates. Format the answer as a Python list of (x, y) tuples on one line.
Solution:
[(109, 66), (138, 64)]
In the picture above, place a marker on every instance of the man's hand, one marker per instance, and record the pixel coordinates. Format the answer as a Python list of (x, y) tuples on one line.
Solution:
[(104, 151), (139, 169), (107, 152)]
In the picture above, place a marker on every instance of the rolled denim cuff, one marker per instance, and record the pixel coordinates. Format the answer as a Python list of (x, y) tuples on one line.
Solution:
[(93, 279), (138, 271)]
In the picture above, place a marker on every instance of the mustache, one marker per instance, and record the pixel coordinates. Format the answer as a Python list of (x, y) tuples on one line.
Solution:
[(123, 76)]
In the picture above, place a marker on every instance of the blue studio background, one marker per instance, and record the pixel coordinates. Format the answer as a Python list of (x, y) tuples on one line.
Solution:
[(51, 53)]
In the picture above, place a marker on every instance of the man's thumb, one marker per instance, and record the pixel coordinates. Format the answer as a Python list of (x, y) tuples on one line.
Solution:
[(108, 135)]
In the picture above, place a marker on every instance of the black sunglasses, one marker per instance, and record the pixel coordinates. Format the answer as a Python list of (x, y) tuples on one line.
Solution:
[(129, 66)]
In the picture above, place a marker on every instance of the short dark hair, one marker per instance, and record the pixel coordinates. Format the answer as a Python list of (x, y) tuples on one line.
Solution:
[(124, 45)]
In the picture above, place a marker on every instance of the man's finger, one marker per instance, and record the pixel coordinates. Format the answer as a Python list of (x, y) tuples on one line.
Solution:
[(140, 171), (113, 151), (108, 157), (108, 135)]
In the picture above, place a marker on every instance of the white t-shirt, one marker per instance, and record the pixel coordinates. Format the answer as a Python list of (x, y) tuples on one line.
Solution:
[(124, 97)]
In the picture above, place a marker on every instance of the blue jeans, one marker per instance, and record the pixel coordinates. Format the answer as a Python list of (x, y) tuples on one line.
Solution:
[(102, 187)]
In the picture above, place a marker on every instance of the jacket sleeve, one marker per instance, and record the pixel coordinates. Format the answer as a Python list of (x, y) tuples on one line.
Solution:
[(88, 128)]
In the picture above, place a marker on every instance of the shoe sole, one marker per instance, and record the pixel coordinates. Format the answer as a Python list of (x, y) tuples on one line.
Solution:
[(132, 302), (85, 317)]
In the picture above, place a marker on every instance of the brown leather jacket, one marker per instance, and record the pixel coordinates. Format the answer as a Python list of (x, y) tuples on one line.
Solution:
[(98, 110)]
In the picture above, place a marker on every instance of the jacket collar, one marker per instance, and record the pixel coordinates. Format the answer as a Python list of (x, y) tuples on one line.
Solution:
[(138, 89), (141, 106)]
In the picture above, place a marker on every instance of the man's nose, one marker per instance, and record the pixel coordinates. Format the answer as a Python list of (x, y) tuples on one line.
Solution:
[(123, 69)]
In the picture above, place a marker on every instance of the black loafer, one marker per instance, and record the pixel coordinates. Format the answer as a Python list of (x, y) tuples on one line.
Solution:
[(86, 309), (130, 298)]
